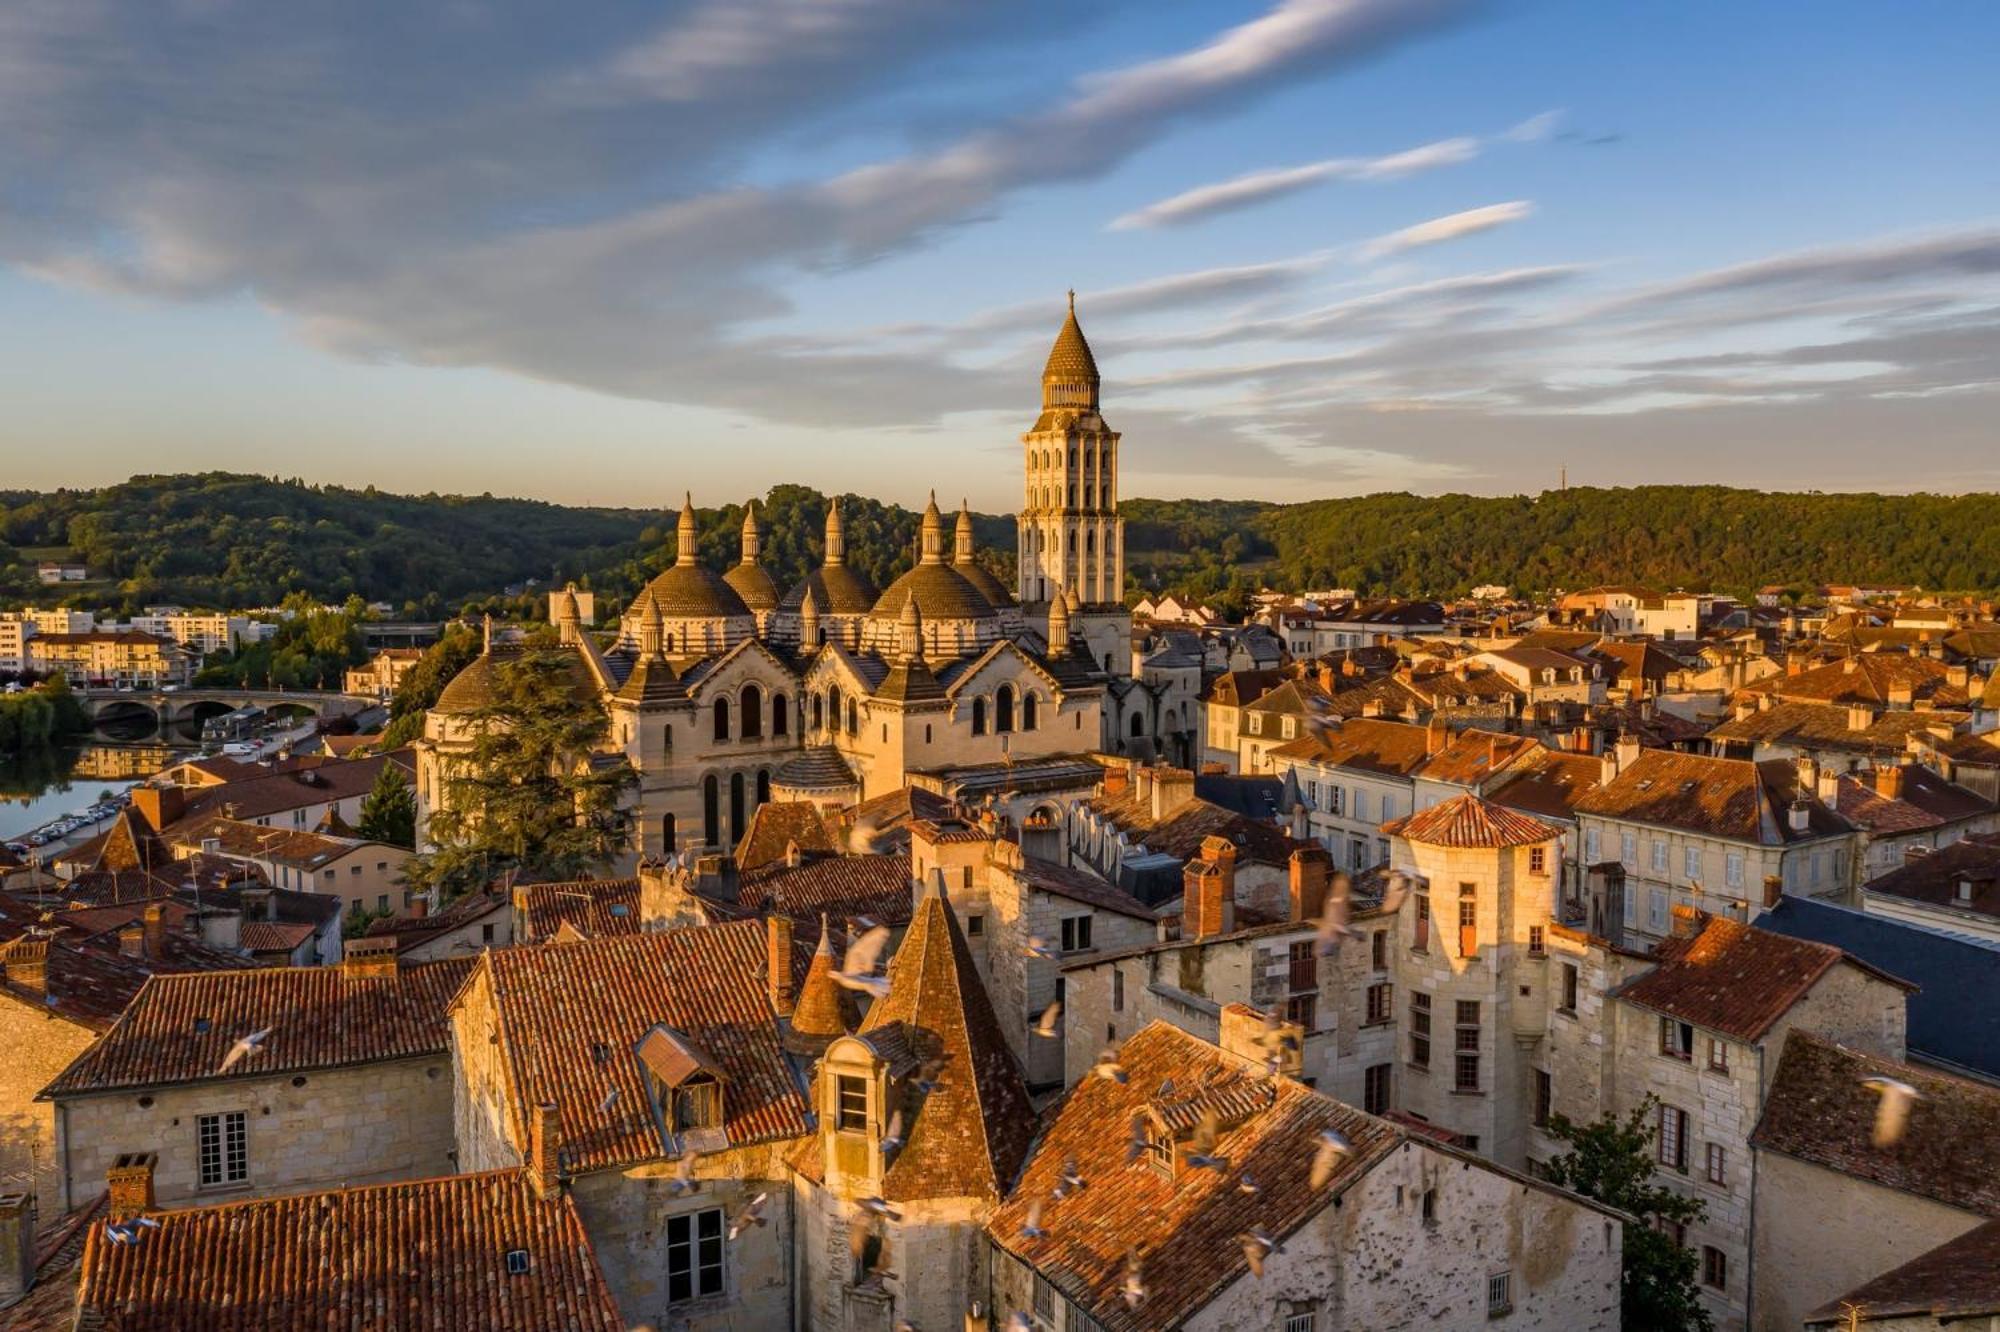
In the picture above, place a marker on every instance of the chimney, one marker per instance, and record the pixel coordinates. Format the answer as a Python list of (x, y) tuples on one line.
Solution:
[(1807, 768), (370, 955), (1849, 665), (1889, 782), (17, 1246), (1687, 920), (1308, 868), (1801, 815), (778, 963), (1372, 708), (1901, 695), (27, 964), (156, 931), (1774, 890), (1860, 717), (1827, 788), (1208, 891), (128, 1185), (158, 805), (1172, 788), (1116, 781), (1765, 702), (1745, 709), (1042, 839), (132, 940), (1436, 736), (420, 905), (545, 1150)]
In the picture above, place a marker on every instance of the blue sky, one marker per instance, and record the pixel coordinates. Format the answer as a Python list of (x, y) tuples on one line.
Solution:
[(1320, 246)]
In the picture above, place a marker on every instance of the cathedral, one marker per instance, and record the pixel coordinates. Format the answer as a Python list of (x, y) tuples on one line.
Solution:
[(724, 692)]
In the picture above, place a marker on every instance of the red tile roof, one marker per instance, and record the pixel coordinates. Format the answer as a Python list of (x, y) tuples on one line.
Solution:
[(50, 1304), (1718, 797), (1818, 1111), (1958, 1280), (1734, 978), (272, 936), (179, 1028), (87, 979), (775, 825), (1468, 821), (1550, 783), (570, 1015), (1366, 743), (1473, 755), (432, 1254), (839, 886), (597, 908), (1184, 1228), (967, 1138)]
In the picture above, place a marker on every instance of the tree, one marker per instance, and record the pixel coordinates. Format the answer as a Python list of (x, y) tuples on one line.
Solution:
[(389, 810), (420, 688), (1611, 1160), (528, 797)]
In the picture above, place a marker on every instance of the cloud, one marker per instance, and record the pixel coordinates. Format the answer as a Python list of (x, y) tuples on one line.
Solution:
[(1261, 186), (1534, 129), (1450, 227)]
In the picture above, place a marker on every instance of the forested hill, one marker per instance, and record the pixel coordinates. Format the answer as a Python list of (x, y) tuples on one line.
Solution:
[(218, 539)]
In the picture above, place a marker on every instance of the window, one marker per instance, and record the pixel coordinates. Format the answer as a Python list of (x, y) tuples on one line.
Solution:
[(852, 1110), (979, 716), (1538, 860), (1427, 1206), (1003, 710), (753, 712), (1544, 1096), (1301, 966), (1029, 707), (1628, 850), (1076, 1320), (1378, 950), (1718, 1171), (975, 926), (1422, 942), (1569, 987), (1336, 799), (1659, 855), (1465, 1042), (1117, 991), (780, 715), (1360, 804), (382, 902), (1714, 1268), (1691, 863), (1656, 910), (1075, 934), (1590, 845), (1718, 1055), (1673, 1138), (1420, 1030), (694, 1255), (1535, 943), (1304, 1321), (1465, 1073), (1379, 1000), (698, 1104), (1676, 1039), (1045, 1301), (1732, 869), (722, 719), (1499, 1294), (1302, 1010), (223, 1147), (1375, 1089), (1468, 921)]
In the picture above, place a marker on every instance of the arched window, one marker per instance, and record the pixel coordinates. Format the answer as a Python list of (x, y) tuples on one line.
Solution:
[(979, 716), (853, 725), (1003, 709), (763, 786), (927, 732), (1072, 541), (735, 806), (711, 813), (1090, 543), (1072, 495), (722, 718), (1072, 455), (1107, 663), (667, 735), (1138, 724), (819, 713), (833, 707), (1029, 707), (753, 712), (780, 721), (667, 843)]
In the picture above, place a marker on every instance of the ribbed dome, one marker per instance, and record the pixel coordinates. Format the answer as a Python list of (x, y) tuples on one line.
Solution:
[(985, 583), (941, 593), (837, 590), (477, 686), (689, 591), (752, 584)]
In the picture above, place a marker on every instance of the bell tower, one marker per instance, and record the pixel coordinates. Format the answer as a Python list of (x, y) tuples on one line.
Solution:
[(1071, 538)]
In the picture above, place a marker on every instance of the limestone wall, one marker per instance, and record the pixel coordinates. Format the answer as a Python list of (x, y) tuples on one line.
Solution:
[(38, 1046)]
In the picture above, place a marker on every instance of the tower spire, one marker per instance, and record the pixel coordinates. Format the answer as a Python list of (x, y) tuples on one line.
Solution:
[(836, 540), (962, 539), (932, 549), (685, 534), (1070, 378), (753, 542)]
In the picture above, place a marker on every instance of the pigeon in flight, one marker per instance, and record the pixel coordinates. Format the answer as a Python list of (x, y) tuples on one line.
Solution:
[(129, 1232), (752, 1214), (1257, 1245), (245, 1047), (1893, 1113), (1333, 1147), (1050, 1026), (1201, 1148), (857, 969)]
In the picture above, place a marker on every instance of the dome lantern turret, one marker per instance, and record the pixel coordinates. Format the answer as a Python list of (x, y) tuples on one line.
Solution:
[(684, 548), (1070, 378)]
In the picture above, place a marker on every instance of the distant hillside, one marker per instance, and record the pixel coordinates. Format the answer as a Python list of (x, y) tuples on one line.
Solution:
[(231, 540)]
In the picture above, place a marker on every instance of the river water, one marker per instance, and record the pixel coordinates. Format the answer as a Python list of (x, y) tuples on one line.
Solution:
[(48, 783)]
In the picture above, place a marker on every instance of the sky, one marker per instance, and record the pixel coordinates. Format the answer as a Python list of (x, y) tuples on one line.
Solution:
[(611, 252)]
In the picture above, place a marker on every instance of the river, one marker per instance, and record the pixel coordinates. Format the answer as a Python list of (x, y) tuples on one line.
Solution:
[(45, 784)]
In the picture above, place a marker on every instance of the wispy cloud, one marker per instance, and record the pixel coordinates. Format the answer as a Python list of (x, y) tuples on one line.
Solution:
[(1261, 186), (1449, 227), (1534, 129)]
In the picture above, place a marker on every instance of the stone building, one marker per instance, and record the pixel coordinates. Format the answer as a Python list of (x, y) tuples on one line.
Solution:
[(724, 695), (351, 1085)]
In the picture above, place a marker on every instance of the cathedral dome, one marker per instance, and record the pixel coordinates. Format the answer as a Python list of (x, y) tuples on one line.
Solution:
[(685, 590), (753, 585), (478, 685), (836, 589), (941, 593), (968, 566)]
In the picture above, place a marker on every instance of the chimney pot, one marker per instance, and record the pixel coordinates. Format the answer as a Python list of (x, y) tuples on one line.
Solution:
[(1308, 873), (132, 940), (128, 1184), (545, 1149), (156, 931), (370, 955)]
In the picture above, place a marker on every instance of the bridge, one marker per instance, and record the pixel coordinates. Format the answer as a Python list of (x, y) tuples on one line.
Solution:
[(184, 706)]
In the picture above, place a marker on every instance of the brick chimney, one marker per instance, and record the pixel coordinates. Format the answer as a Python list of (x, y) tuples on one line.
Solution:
[(27, 964), (1774, 890), (1308, 871), (778, 963), (1208, 891), (1436, 736), (128, 1185), (545, 1149), (1889, 782), (1172, 789), (156, 931), (370, 955), (1687, 920)]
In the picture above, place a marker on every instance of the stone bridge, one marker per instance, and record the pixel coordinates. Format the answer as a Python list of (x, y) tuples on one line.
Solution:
[(184, 706)]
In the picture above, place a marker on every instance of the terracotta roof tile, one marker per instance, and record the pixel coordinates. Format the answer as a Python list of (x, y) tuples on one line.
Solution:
[(1185, 1228), (431, 1254), (1818, 1111), (179, 1028), (595, 908), (1366, 743), (1468, 821), (1959, 1279), (1181, 832), (570, 1017), (776, 824), (1549, 783), (1732, 978), (86, 978), (1935, 878)]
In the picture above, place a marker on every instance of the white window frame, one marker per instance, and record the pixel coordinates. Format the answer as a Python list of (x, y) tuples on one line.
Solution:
[(1691, 863), (1732, 869), (224, 1139), (699, 1270)]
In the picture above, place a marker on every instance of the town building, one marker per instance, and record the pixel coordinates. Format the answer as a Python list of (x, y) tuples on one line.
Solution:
[(110, 658)]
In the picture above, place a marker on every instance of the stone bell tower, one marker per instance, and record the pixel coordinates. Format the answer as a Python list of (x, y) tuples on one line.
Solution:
[(1071, 540)]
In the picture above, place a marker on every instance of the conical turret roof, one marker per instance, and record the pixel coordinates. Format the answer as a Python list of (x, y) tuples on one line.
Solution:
[(1070, 358)]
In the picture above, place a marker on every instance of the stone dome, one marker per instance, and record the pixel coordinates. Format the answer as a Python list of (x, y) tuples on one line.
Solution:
[(753, 585), (838, 590), (688, 591), (477, 686), (941, 592)]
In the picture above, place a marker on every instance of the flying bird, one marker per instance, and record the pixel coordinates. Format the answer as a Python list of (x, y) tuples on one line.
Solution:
[(1201, 1149), (610, 1099), (893, 1139), (864, 837), (1032, 1227), (683, 1180), (1257, 1245), (1333, 926), (1246, 1183), (129, 1232), (1071, 1180), (1037, 946), (1135, 1146), (1107, 1066), (245, 1047), (1134, 1288), (1050, 1026), (928, 1073), (857, 969), (1333, 1146), (752, 1214), (876, 1206), (1398, 889), (1893, 1113)]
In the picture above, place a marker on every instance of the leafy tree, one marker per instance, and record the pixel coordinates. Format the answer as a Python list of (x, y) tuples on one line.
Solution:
[(389, 810), (420, 688), (527, 798), (1611, 1160)]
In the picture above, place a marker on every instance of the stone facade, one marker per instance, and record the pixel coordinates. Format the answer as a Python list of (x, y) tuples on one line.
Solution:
[(39, 1045)]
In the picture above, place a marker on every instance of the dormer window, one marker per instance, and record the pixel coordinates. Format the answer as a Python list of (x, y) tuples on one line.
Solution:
[(683, 1082), (851, 1104), (698, 1104)]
